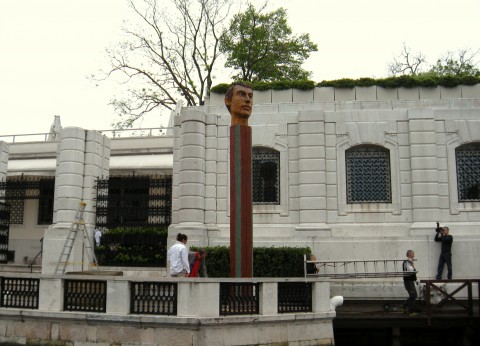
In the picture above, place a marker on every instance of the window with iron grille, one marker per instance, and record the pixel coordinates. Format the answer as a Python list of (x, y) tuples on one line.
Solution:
[(134, 201), (19, 188), (128, 200), (368, 174), (468, 172), (45, 201), (265, 176)]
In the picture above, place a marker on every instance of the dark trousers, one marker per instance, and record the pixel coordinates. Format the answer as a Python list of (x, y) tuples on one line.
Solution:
[(412, 295), (445, 257)]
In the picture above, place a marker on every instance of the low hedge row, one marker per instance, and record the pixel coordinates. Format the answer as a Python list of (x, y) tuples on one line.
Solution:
[(140, 247), (133, 247), (406, 81), (267, 261)]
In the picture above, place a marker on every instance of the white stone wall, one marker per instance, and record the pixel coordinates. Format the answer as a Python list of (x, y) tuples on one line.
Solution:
[(421, 135)]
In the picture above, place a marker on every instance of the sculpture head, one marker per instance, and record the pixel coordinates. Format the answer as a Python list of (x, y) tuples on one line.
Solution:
[(239, 102)]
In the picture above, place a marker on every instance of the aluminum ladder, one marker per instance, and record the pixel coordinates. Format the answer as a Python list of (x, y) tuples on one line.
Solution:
[(77, 224), (354, 269)]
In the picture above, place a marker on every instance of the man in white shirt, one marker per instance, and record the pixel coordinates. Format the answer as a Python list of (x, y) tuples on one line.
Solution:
[(177, 255)]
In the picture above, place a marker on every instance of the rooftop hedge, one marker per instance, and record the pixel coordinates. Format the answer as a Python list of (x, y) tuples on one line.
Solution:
[(406, 81)]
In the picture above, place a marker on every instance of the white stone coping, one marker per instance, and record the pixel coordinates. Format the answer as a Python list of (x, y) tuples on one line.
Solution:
[(65, 316), (97, 277)]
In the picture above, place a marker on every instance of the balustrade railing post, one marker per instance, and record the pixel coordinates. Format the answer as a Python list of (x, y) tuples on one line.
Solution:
[(268, 298), (470, 299), (321, 296), (198, 298), (118, 297), (51, 294)]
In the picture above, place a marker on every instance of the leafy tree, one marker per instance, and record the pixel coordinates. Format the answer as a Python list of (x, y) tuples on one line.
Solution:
[(169, 55), (460, 63), (262, 48)]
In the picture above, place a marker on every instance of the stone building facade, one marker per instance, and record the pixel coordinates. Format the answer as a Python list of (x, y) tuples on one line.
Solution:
[(361, 173)]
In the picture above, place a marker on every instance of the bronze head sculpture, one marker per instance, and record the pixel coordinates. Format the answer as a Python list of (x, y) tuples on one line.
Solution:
[(239, 102)]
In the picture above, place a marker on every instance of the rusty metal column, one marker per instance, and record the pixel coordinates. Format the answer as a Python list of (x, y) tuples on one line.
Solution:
[(241, 234)]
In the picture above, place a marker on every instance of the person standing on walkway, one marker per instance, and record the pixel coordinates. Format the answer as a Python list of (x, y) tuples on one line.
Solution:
[(177, 256), (198, 268), (446, 239), (409, 280)]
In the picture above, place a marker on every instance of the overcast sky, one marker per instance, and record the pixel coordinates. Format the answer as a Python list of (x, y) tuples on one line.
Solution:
[(48, 47)]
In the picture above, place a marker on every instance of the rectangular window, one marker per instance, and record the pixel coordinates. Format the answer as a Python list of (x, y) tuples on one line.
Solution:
[(265, 176), (368, 174), (468, 172)]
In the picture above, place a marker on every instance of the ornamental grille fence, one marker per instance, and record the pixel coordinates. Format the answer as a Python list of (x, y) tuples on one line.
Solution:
[(468, 172), (153, 298), (15, 190), (368, 174), (4, 230), (134, 202), (85, 295), (22, 293), (239, 298), (294, 297)]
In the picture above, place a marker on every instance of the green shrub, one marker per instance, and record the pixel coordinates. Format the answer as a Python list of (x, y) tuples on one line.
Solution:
[(133, 247), (427, 80), (267, 262), (277, 85)]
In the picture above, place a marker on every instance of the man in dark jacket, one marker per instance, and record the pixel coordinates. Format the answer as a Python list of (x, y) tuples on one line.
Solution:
[(446, 251), (197, 263), (409, 279)]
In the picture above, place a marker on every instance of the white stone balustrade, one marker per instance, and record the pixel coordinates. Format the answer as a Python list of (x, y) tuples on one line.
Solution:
[(197, 321)]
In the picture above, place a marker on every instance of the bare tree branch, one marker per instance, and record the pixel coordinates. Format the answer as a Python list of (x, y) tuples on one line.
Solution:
[(407, 63), (170, 54)]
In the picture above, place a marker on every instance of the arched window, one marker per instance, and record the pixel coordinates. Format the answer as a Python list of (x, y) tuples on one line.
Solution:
[(265, 176), (368, 174), (468, 172)]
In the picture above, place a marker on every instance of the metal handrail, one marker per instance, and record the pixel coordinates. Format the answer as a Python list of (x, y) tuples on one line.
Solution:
[(30, 265), (146, 132)]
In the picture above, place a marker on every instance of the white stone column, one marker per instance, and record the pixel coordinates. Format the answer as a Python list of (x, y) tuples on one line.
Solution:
[(189, 177), (4, 151), (82, 157)]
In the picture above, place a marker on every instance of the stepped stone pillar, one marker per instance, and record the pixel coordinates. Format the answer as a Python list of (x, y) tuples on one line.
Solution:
[(4, 151), (82, 157), (312, 188), (189, 177), (424, 169)]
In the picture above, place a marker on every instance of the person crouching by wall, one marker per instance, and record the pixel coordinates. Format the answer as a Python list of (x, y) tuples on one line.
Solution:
[(198, 267), (311, 267), (177, 256)]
